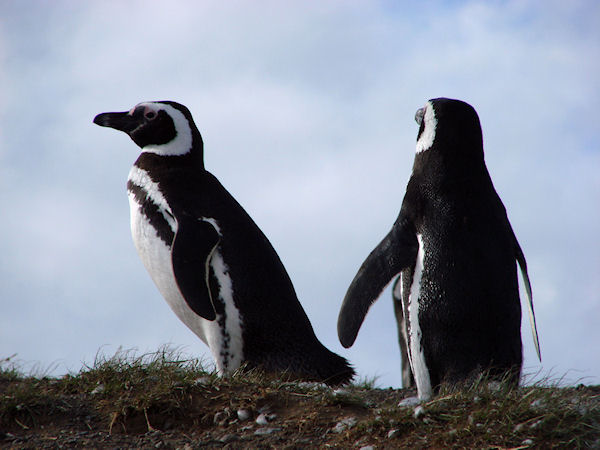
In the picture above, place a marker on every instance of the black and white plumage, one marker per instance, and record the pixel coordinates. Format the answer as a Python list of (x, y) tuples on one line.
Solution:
[(456, 252), (408, 380), (212, 264)]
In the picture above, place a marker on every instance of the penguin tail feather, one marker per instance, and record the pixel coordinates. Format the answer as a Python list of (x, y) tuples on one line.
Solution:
[(337, 372)]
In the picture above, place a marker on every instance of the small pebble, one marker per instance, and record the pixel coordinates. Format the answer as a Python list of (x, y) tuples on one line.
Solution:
[(243, 414), (229, 438), (311, 385), (409, 401), (262, 419), (345, 424), (393, 433), (265, 431), (527, 442)]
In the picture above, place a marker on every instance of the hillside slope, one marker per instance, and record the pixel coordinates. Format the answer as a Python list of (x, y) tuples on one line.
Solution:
[(159, 401)]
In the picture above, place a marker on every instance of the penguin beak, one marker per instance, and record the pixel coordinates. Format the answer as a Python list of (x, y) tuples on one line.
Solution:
[(122, 121)]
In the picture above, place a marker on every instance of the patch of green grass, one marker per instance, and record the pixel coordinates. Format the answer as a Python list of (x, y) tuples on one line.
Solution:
[(118, 386), (127, 384), (9, 370), (23, 398), (147, 374), (366, 382)]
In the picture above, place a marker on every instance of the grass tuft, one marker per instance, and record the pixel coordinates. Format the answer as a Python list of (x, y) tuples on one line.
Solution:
[(9, 370)]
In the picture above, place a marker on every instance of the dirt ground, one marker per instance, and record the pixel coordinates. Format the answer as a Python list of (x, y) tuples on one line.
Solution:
[(210, 413)]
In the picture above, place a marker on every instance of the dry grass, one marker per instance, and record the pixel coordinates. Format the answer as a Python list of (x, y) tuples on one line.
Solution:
[(163, 397)]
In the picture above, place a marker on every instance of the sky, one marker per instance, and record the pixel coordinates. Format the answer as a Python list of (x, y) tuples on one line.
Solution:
[(306, 109)]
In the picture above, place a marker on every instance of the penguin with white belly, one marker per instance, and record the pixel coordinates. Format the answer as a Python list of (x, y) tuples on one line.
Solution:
[(210, 261), (456, 252)]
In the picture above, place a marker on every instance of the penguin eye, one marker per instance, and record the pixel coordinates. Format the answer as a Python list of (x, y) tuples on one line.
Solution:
[(419, 116), (150, 115)]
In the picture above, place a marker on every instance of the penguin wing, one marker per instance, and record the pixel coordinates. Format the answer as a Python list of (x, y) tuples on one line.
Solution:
[(523, 266), (395, 252), (191, 251)]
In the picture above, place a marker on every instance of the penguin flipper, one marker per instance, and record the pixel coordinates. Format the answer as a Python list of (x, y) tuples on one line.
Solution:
[(395, 252), (191, 251), (523, 266)]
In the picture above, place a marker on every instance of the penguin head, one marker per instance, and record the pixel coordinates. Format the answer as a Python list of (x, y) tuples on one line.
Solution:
[(449, 134), (449, 127), (164, 127)]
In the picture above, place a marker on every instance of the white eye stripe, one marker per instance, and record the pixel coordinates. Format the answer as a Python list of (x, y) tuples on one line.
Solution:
[(427, 137)]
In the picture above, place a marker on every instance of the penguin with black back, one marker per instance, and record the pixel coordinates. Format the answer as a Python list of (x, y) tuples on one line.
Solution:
[(210, 261), (456, 254)]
